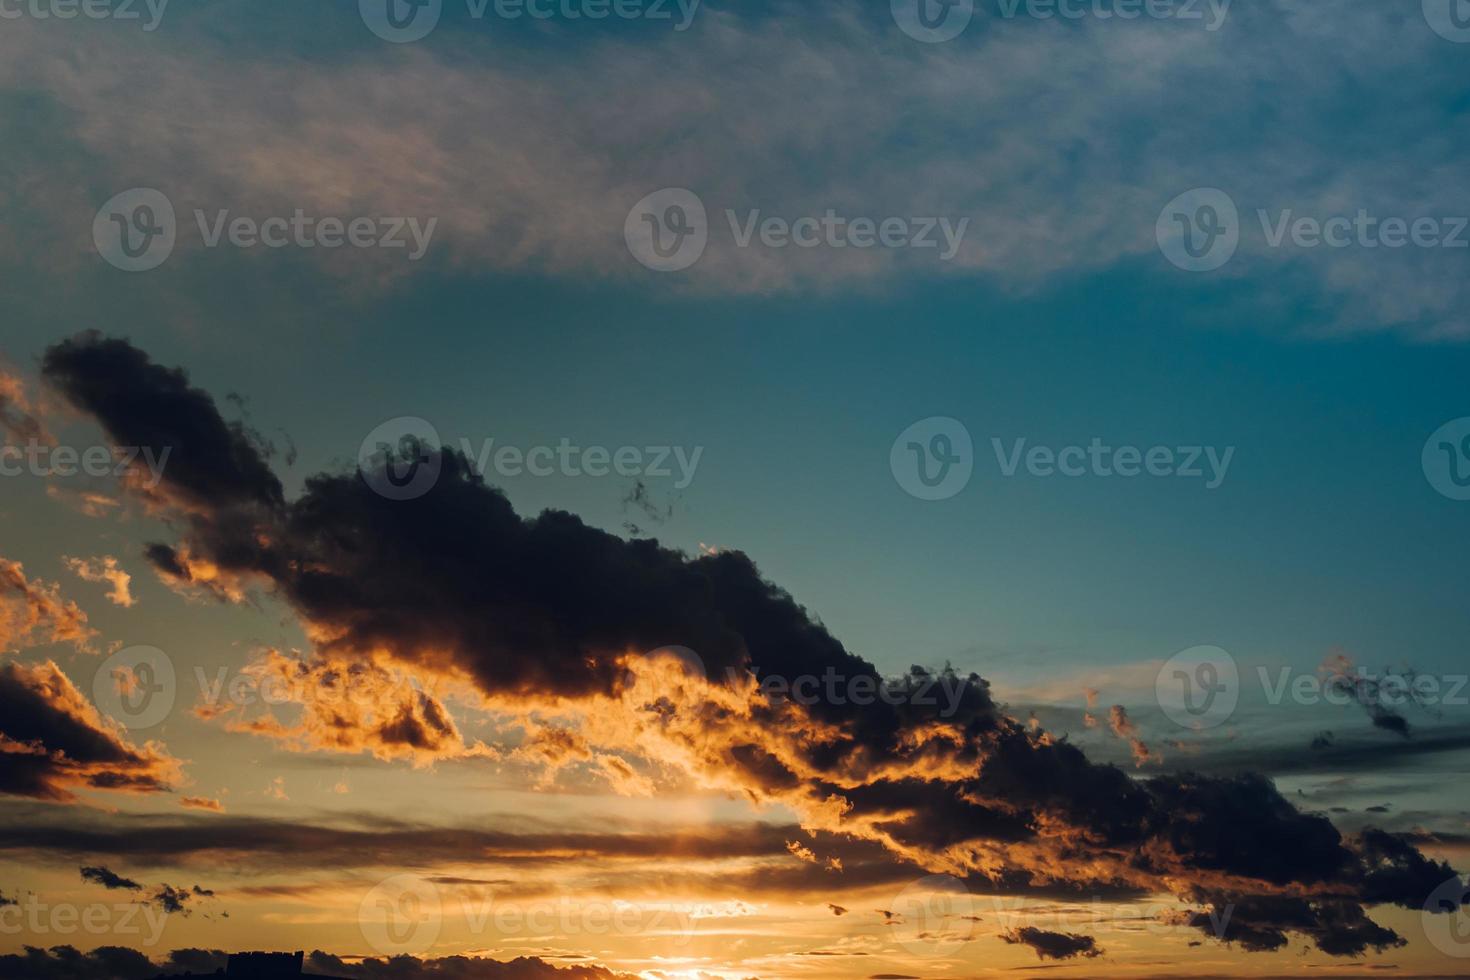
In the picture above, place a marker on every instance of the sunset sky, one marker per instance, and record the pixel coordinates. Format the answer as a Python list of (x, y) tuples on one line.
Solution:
[(491, 585)]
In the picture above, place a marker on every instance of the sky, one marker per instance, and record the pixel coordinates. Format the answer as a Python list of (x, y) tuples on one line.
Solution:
[(734, 490)]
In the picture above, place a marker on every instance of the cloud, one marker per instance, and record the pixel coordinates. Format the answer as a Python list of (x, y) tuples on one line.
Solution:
[(165, 897), (883, 127), (69, 963), (1053, 945), (343, 705), (453, 968), (800, 851), (171, 899), (33, 612), (107, 879), (372, 842), (104, 569), (1378, 695), (120, 963), (201, 803), (547, 614), (1123, 727), (1260, 925), (17, 423), (53, 740)]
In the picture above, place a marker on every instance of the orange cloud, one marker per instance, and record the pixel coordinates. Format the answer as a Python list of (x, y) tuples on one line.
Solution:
[(340, 705), (52, 740), (104, 569), (33, 612)]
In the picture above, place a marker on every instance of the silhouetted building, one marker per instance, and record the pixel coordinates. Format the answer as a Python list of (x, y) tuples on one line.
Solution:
[(264, 966), (258, 966)]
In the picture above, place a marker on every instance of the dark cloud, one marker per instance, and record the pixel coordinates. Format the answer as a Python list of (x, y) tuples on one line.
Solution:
[(371, 841), (1053, 945), (68, 963), (1261, 925), (455, 585), (454, 968), (641, 498), (1344, 753), (171, 899), (52, 739), (120, 963), (1377, 694), (166, 897), (107, 878), (210, 463)]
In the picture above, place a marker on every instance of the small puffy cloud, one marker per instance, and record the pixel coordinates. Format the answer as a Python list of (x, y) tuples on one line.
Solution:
[(100, 875), (104, 569), (1053, 945)]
